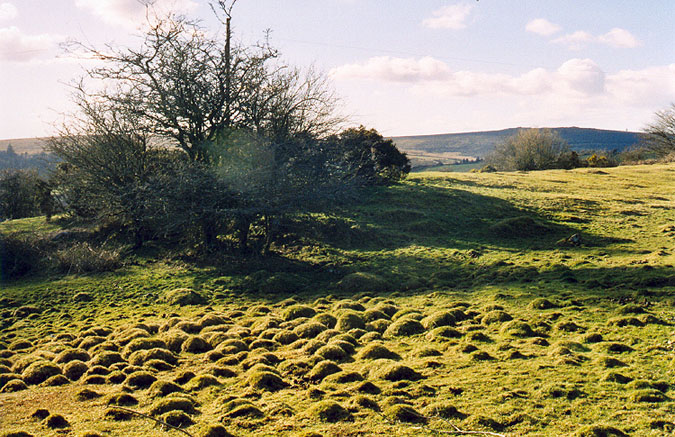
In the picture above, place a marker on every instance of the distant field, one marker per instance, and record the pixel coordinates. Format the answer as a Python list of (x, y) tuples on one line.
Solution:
[(444, 147), (446, 302)]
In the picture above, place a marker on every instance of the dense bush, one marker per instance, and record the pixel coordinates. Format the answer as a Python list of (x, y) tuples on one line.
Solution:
[(23, 194), (19, 256), (532, 149)]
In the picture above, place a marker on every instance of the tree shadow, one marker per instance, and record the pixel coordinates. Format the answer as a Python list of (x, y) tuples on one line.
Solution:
[(451, 218)]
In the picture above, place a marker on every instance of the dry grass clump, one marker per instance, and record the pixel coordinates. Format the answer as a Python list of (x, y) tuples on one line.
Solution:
[(517, 328), (201, 382), (195, 345), (14, 385)]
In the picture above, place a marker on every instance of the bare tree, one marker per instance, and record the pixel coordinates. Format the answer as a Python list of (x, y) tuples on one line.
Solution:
[(659, 136)]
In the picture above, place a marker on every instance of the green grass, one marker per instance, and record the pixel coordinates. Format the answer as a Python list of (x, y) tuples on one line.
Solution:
[(471, 244)]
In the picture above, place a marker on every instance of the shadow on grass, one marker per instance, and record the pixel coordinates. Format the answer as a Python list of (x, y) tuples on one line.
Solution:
[(418, 214)]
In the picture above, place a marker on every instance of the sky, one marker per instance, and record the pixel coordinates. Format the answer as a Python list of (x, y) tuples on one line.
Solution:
[(403, 67)]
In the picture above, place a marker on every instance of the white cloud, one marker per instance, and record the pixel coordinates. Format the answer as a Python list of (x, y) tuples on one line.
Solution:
[(8, 12), (16, 46), (449, 17), (620, 38), (542, 26), (394, 69), (131, 13), (617, 37), (576, 40)]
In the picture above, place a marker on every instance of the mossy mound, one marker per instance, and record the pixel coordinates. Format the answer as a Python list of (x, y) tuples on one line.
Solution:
[(179, 419), (496, 316), (349, 320), (438, 319), (106, 359), (163, 388), (174, 403), (297, 311), (542, 304), (348, 304), (309, 329), (404, 327), (331, 352), (343, 377), (200, 382), (55, 381), (217, 430), (322, 369), (184, 296), (69, 355), (599, 431), (396, 372), (195, 345), (520, 227), (122, 400), (118, 414), (13, 386), (140, 379), (648, 395), (517, 328), (444, 410), (362, 401), (362, 281), (376, 351), (39, 372), (56, 421), (630, 308), (405, 413), (443, 333), (329, 411), (616, 377), (266, 381), (87, 394)]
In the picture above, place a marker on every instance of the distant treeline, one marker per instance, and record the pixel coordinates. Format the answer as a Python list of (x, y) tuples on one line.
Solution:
[(41, 162)]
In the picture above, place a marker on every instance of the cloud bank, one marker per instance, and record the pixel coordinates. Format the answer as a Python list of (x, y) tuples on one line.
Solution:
[(16, 46), (574, 79), (8, 12), (131, 13)]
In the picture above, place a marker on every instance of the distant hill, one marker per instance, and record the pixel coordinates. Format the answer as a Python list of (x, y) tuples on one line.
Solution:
[(449, 147), (25, 145)]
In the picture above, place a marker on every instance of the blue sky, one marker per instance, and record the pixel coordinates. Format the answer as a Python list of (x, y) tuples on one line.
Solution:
[(402, 67)]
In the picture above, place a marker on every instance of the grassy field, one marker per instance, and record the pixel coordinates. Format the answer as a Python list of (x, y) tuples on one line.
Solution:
[(452, 301)]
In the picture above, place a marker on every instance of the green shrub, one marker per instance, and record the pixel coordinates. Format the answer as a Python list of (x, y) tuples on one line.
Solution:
[(19, 255)]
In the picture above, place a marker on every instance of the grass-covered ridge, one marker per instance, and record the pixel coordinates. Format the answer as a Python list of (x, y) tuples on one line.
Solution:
[(444, 300)]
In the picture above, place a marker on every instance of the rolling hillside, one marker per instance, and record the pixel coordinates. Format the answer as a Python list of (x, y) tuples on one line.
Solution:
[(449, 147)]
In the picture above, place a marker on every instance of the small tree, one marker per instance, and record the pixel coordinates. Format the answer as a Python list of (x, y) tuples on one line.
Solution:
[(659, 136), (530, 149)]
